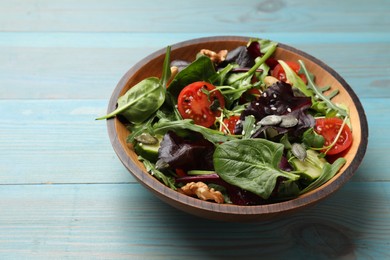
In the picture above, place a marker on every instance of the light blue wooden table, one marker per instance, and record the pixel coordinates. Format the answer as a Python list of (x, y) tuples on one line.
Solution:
[(65, 195)]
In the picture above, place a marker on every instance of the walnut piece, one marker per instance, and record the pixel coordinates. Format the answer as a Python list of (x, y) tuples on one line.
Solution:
[(215, 57), (269, 80), (174, 71), (202, 191)]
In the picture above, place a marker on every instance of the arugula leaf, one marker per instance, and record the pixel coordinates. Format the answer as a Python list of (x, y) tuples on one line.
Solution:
[(251, 164), (138, 129), (248, 126), (319, 93), (219, 78), (214, 136), (150, 167), (295, 80)]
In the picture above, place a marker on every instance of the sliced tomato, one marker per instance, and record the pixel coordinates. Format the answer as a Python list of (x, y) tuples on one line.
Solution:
[(229, 124), (180, 173), (329, 128), (278, 71), (201, 102)]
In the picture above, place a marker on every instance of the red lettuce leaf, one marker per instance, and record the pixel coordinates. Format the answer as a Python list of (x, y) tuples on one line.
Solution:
[(279, 99), (187, 154)]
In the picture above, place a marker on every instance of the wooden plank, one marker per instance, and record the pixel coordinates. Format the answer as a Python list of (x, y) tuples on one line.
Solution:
[(178, 16), (90, 65), (125, 221), (159, 40), (58, 141)]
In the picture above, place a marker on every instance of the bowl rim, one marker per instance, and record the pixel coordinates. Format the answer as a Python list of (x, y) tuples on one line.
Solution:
[(182, 200)]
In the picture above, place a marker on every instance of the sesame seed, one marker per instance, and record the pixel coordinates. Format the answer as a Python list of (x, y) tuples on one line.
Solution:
[(289, 110)]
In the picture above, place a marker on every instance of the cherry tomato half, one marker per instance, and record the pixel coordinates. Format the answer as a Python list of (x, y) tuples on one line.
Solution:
[(329, 128), (278, 71), (230, 124), (200, 101)]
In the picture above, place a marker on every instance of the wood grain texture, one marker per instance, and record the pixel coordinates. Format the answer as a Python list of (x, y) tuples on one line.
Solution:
[(89, 66), (56, 141), (180, 16), (124, 221), (59, 62)]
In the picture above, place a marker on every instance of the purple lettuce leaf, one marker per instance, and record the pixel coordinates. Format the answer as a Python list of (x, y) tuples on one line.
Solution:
[(243, 56), (279, 99), (254, 49), (187, 154), (285, 165)]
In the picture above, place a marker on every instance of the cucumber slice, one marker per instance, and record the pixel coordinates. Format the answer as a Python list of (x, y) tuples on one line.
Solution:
[(306, 170), (310, 168), (148, 151)]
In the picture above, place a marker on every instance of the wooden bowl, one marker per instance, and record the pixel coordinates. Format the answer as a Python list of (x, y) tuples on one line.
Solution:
[(152, 66)]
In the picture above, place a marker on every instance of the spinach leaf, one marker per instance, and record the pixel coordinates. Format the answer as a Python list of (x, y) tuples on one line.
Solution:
[(166, 73), (202, 69), (140, 101), (143, 99), (251, 164)]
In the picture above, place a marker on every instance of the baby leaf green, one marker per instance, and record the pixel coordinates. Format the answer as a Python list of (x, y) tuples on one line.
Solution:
[(140, 101), (200, 69), (251, 164), (145, 98)]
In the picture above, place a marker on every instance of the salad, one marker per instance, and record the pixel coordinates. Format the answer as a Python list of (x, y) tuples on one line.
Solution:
[(236, 126)]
